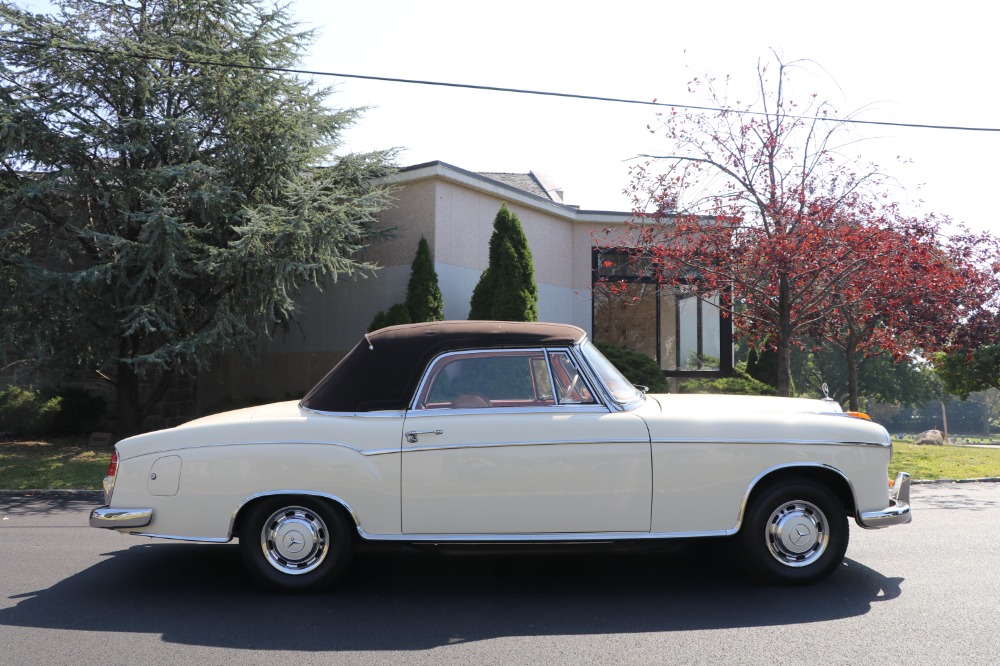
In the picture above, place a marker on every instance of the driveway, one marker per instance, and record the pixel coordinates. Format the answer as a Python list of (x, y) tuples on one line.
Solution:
[(924, 593)]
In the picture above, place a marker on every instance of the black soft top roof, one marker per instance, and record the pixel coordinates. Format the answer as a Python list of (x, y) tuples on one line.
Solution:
[(383, 369)]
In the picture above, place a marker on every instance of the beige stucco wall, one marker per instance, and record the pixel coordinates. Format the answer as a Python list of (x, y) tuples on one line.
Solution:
[(456, 216)]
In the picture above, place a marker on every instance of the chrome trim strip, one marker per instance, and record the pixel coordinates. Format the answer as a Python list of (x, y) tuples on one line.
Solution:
[(898, 511), (500, 445), (174, 537), (120, 518), (286, 442), (552, 378), (564, 408), (307, 493), (382, 414), (819, 442), (572, 537), (379, 452)]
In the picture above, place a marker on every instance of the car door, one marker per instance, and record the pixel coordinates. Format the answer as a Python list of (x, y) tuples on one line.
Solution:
[(503, 442)]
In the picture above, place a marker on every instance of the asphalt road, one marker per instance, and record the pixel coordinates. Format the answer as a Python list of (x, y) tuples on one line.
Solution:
[(925, 593)]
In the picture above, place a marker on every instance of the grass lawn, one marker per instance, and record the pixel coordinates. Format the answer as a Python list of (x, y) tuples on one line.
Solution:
[(60, 463), (944, 462), (68, 463)]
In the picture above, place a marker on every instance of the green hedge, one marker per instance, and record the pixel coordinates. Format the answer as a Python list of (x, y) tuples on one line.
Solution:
[(35, 413), (637, 368)]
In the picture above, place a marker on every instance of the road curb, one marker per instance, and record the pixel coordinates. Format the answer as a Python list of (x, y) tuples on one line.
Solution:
[(97, 495), (988, 479)]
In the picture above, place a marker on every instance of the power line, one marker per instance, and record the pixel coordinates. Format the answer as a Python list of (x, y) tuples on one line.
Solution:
[(472, 86)]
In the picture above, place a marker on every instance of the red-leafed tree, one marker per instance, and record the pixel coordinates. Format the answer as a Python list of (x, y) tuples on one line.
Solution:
[(916, 289), (755, 203), (972, 362)]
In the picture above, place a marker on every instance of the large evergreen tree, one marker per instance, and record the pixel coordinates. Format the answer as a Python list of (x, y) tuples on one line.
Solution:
[(506, 290), (165, 190)]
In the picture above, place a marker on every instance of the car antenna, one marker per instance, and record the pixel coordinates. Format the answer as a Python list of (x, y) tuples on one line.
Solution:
[(369, 343)]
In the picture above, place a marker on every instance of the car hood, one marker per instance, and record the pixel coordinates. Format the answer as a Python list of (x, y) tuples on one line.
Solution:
[(688, 403), (731, 418)]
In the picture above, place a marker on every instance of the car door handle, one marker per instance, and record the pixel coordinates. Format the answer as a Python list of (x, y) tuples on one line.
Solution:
[(411, 435)]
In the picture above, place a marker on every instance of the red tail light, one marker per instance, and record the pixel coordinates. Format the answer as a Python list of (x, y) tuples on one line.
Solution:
[(113, 465)]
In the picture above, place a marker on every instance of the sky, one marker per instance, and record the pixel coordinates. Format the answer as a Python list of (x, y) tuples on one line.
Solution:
[(882, 60), (894, 61)]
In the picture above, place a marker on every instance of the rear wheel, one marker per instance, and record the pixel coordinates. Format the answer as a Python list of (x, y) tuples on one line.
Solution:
[(794, 532), (295, 544)]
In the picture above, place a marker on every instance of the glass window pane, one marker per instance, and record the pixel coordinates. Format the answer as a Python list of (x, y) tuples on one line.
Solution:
[(621, 389), (570, 385), (711, 334), (668, 328), (625, 315), (687, 317)]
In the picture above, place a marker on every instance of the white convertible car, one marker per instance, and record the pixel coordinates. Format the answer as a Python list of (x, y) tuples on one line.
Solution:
[(502, 432)]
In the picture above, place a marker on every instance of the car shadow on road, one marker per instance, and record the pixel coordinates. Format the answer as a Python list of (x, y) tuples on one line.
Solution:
[(415, 600)]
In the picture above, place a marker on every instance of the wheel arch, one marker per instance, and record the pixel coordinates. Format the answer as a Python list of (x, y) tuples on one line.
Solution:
[(337, 503), (827, 475)]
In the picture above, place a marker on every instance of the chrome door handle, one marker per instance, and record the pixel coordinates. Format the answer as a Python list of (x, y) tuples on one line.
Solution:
[(411, 435)]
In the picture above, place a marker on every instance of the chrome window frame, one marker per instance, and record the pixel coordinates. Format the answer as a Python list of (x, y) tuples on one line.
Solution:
[(585, 375)]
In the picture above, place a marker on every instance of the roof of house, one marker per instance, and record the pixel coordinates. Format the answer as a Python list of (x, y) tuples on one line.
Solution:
[(528, 182)]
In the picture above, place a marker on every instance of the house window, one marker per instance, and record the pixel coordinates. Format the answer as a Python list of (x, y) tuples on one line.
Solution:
[(684, 333)]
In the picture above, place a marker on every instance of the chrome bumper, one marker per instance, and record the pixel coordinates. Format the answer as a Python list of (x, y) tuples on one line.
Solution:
[(898, 512), (118, 518)]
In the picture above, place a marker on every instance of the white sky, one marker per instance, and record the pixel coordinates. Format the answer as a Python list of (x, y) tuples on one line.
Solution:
[(904, 61)]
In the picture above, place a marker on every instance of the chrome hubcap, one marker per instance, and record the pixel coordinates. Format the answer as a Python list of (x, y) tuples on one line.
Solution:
[(797, 533), (294, 540)]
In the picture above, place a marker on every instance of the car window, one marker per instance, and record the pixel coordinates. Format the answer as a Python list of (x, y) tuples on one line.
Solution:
[(620, 388), (488, 379), (503, 378), (570, 384)]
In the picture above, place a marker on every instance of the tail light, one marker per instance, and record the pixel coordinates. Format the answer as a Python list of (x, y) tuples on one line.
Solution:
[(109, 480)]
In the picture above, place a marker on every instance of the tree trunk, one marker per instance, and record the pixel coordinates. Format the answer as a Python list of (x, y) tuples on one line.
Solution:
[(784, 338), (130, 412), (127, 417), (853, 404)]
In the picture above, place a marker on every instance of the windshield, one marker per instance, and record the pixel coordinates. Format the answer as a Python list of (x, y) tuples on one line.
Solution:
[(620, 388)]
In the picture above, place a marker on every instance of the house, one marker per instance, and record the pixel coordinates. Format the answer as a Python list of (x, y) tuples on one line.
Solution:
[(454, 210)]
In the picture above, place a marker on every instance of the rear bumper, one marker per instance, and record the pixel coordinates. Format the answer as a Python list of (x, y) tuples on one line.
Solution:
[(118, 518), (898, 511)]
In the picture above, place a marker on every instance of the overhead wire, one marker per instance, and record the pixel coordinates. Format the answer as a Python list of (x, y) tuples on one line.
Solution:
[(472, 86)]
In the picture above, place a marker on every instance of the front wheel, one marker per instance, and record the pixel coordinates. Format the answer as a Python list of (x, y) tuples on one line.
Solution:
[(295, 544), (794, 533)]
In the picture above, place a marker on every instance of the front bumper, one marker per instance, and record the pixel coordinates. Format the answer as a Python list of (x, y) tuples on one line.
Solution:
[(898, 511), (118, 518)]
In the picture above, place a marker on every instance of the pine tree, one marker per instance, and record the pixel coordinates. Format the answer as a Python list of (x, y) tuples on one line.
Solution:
[(423, 295), (156, 209), (506, 290)]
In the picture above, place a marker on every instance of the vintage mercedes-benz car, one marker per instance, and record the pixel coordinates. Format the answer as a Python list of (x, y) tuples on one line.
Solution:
[(501, 432)]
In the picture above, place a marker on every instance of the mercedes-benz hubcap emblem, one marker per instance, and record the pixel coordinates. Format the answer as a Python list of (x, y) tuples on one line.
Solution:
[(799, 536), (293, 542)]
